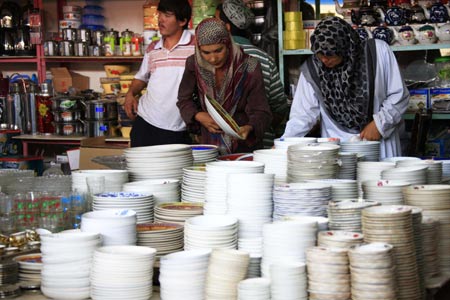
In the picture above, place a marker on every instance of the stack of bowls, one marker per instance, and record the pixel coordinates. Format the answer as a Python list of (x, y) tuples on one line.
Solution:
[(254, 288), (288, 280), (163, 190)]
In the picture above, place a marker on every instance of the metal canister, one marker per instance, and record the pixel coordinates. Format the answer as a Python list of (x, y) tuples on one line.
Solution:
[(84, 35), (125, 42), (51, 48), (66, 48), (81, 49), (69, 34), (44, 110), (97, 37)]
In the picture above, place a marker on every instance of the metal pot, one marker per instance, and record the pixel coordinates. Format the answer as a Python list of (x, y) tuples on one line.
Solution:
[(69, 34), (101, 128), (51, 48), (67, 115), (81, 49), (66, 103), (69, 128), (66, 48), (103, 109), (84, 35)]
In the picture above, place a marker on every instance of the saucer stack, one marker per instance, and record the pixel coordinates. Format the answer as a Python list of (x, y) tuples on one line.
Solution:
[(253, 289), (30, 266), (162, 190), (371, 170), (275, 162), (204, 153), (413, 175), (430, 239), (166, 238), (341, 189), (386, 192), (288, 280), (177, 212), (370, 149), (284, 143), (322, 222), (253, 246), (349, 162), (339, 239), (328, 273), (346, 215), (9, 272), (434, 171), (372, 269), (193, 186)]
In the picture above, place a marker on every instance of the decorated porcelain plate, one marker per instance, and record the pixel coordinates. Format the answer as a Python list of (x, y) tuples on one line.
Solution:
[(222, 117)]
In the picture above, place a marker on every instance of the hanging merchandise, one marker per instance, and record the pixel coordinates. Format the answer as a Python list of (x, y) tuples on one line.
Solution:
[(151, 15)]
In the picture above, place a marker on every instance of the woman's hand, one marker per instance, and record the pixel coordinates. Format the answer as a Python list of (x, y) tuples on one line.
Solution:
[(245, 131), (370, 132), (205, 119)]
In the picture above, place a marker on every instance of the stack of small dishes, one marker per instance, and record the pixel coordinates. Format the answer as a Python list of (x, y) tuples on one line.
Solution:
[(142, 204), (166, 238), (177, 212), (434, 171), (9, 272), (328, 273), (413, 175), (253, 246), (193, 186), (349, 162), (430, 239), (346, 215), (226, 268), (329, 140), (284, 143), (322, 222), (122, 272), (372, 269), (339, 239), (10, 291), (114, 179), (182, 275), (210, 232), (341, 189), (163, 190), (30, 266), (386, 192), (288, 280), (398, 159), (446, 169), (204, 153), (308, 199), (254, 288), (157, 162), (370, 149), (117, 227), (275, 162), (371, 170)]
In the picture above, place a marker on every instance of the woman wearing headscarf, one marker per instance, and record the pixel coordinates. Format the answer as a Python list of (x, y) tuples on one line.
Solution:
[(220, 70), (353, 86)]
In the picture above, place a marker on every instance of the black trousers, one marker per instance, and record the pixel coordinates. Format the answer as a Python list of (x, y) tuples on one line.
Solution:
[(145, 134)]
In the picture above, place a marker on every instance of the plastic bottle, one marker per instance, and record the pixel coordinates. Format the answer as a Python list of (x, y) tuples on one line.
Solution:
[(151, 15)]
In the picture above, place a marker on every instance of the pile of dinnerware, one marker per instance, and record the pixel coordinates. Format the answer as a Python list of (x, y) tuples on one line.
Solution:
[(216, 182), (177, 212), (249, 199), (275, 162), (286, 240), (166, 238), (322, 222), (253, 246), (413, 175), (142, 204), (328, 273), (254, 288), (370, 149), (288, 280), (386, 192), (346, 215), (162, 190), (117, 227), (9, 273), (66, 263), (446, 169), (30, 266), (392, 224), (182, 275), (210, 232), (372, 269), (308, 199), (371, 170), (341, 189), (122, 272), (204, 153), (329, 140), (339, 238), (158, 162), (398, 159), (193, 186), (316, 161), (284, 143), (430, 239), (347, 169), (226, 268), (114, 179), (434, 171)]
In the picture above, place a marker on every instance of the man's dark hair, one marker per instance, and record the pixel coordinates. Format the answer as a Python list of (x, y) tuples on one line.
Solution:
[(181, 8), (233, 29)]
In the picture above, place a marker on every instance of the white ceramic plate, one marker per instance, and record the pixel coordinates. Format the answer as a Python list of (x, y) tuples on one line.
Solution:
[(220, 116)]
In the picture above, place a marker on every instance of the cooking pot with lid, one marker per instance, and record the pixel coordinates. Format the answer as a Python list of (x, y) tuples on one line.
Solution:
[(66, 102), (103, 109), (101, 128)]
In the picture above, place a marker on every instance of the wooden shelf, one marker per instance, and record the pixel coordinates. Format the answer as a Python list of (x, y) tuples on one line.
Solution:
[(105, 59)]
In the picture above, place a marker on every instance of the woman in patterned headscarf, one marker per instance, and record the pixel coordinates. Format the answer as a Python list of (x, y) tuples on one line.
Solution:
[(353, 86), (220, 70)]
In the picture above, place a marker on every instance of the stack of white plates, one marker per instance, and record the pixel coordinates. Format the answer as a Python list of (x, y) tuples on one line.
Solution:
[(341, 189), (122, 272), (226, 269), (371, 170), (288, 280), (386, 192), (434, 171), (193, 186), (398, 159), (339, 239), (254, 289), (114, 179), (249, 199), (328, 273), (346, 215), (204, 153), (370, 149), (443, 216), (349, 162), (430, 239), (182, 275), (275, 162), (117, 227), (308, 199), (446, 169), (210, 232), (66, 264), (216, 182), (253, 246), (284, 143), (322, 222), (329, 140), (30, 266), (316, 161), (166, 238), (372, 268), (157, 162), (286, 240), (177, 212), (413, 175), (163, 190), (392, 224), (142, 204)]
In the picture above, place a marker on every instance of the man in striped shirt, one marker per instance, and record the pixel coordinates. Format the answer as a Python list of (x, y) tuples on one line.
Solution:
[(238, 18), (157, 120)]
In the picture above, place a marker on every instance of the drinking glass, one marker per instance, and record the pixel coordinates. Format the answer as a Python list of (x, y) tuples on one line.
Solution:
[(95, 185)]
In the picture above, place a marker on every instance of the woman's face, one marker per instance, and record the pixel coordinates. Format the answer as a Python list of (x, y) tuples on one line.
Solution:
[(330, 61), (214, 54)]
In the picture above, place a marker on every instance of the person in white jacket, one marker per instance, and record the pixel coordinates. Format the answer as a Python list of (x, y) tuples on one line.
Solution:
[(353, 86)]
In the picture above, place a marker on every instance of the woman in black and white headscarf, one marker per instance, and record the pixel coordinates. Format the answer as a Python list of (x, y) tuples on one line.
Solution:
[(353, 86)]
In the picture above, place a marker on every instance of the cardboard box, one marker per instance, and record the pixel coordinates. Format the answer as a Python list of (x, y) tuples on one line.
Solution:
[(419, 98), (440, 99), (97, 146), (63, 79)]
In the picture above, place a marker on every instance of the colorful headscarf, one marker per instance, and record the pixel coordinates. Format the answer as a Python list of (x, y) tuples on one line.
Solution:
[(345, 88)]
